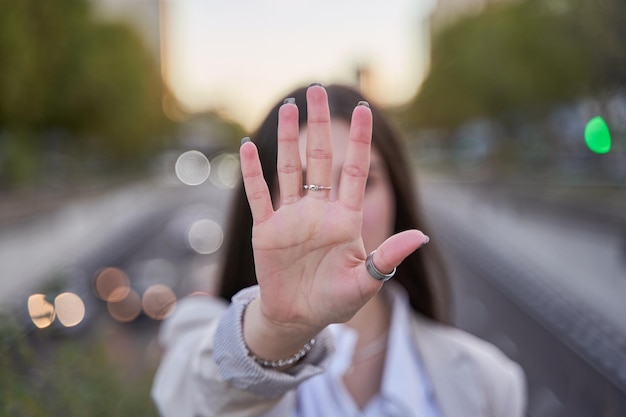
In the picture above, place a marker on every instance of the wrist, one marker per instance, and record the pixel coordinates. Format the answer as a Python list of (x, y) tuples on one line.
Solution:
[(284, 363), (270, 342)]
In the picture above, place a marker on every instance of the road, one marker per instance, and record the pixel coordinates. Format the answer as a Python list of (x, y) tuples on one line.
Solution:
[(544, 286)]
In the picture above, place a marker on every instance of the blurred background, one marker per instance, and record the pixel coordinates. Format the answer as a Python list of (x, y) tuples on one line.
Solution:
[(119, 125)]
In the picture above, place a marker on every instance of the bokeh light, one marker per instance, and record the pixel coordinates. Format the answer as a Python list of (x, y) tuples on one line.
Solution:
[(598, 135), (153, 271), (69, 308), (127, 309), (158, 301), (192, 168), (205, 236), (41, 311), (112, 284), (226, 171)]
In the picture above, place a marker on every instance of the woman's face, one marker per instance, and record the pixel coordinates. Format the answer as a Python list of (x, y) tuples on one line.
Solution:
[(379, 202)]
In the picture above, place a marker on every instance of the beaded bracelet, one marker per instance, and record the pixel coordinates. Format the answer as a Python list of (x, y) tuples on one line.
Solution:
[(284, 362)]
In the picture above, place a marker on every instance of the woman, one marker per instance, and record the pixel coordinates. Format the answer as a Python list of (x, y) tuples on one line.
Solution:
[(327, 217)]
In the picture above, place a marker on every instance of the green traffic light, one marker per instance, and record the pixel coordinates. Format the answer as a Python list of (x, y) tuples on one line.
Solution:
[(597, 135)]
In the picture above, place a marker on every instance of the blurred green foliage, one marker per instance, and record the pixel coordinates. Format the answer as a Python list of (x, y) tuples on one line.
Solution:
[(65, 378), (73, 85), (521, 58)]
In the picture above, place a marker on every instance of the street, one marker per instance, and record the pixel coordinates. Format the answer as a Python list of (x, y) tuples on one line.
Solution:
[(545, 288)]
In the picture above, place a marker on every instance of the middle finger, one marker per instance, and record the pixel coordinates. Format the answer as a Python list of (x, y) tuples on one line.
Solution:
[(319, 152)]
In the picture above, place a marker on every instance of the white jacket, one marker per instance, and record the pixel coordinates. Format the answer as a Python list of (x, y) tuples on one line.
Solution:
[(470, 377)]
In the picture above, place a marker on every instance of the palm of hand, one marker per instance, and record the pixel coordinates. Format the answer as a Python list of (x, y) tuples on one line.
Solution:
[(309, 256)]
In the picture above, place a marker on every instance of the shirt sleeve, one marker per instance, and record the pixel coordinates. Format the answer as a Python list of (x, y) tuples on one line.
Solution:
[(513, 398), (237, 367), (206, 370)]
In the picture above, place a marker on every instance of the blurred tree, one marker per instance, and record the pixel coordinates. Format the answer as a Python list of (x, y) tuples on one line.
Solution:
[(62, 70), (599, 26), (520, 57), (211, 132)]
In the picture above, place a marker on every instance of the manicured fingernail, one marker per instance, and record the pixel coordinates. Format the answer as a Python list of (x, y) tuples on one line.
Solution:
[(426, 240), (314, 84), (363, 103), (245, 140), (289, 100)]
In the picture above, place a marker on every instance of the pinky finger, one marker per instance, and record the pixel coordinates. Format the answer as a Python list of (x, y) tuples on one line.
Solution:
[(256, 188)]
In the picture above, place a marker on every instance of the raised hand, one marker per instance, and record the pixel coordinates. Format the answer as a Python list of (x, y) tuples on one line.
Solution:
[(309, 253)]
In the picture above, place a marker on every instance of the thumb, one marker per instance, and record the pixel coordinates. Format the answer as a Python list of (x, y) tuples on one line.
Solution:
[(396, 248)]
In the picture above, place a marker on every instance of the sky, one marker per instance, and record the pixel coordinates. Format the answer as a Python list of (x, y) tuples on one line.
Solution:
[(241, 56)]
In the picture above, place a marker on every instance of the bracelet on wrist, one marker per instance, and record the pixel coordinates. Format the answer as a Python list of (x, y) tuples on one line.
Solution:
[(280, 363)]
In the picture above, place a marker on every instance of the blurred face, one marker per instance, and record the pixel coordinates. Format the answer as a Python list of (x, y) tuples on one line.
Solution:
[(379, 202)]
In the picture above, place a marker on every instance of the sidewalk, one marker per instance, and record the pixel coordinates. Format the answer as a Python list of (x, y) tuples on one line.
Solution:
[(19, 206), (41, 235), (573, 248), (594, 203)]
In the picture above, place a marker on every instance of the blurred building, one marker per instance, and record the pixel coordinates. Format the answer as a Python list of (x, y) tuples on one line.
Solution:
[(143, 15), (149, 19)]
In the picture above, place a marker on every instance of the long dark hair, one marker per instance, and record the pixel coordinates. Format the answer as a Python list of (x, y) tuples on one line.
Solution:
[(422, 274)]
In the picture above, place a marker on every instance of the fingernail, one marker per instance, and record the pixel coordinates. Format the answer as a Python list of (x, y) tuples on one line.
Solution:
[(289, 100), (245, 140), (363, 103), (314, 84), (426, 240)]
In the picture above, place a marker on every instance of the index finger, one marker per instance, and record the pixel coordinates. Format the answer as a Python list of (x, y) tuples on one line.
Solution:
[(357, 163), (254, 183)]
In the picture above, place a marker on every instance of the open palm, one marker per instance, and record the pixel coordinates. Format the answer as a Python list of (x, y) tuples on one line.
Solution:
[(309, 254)]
